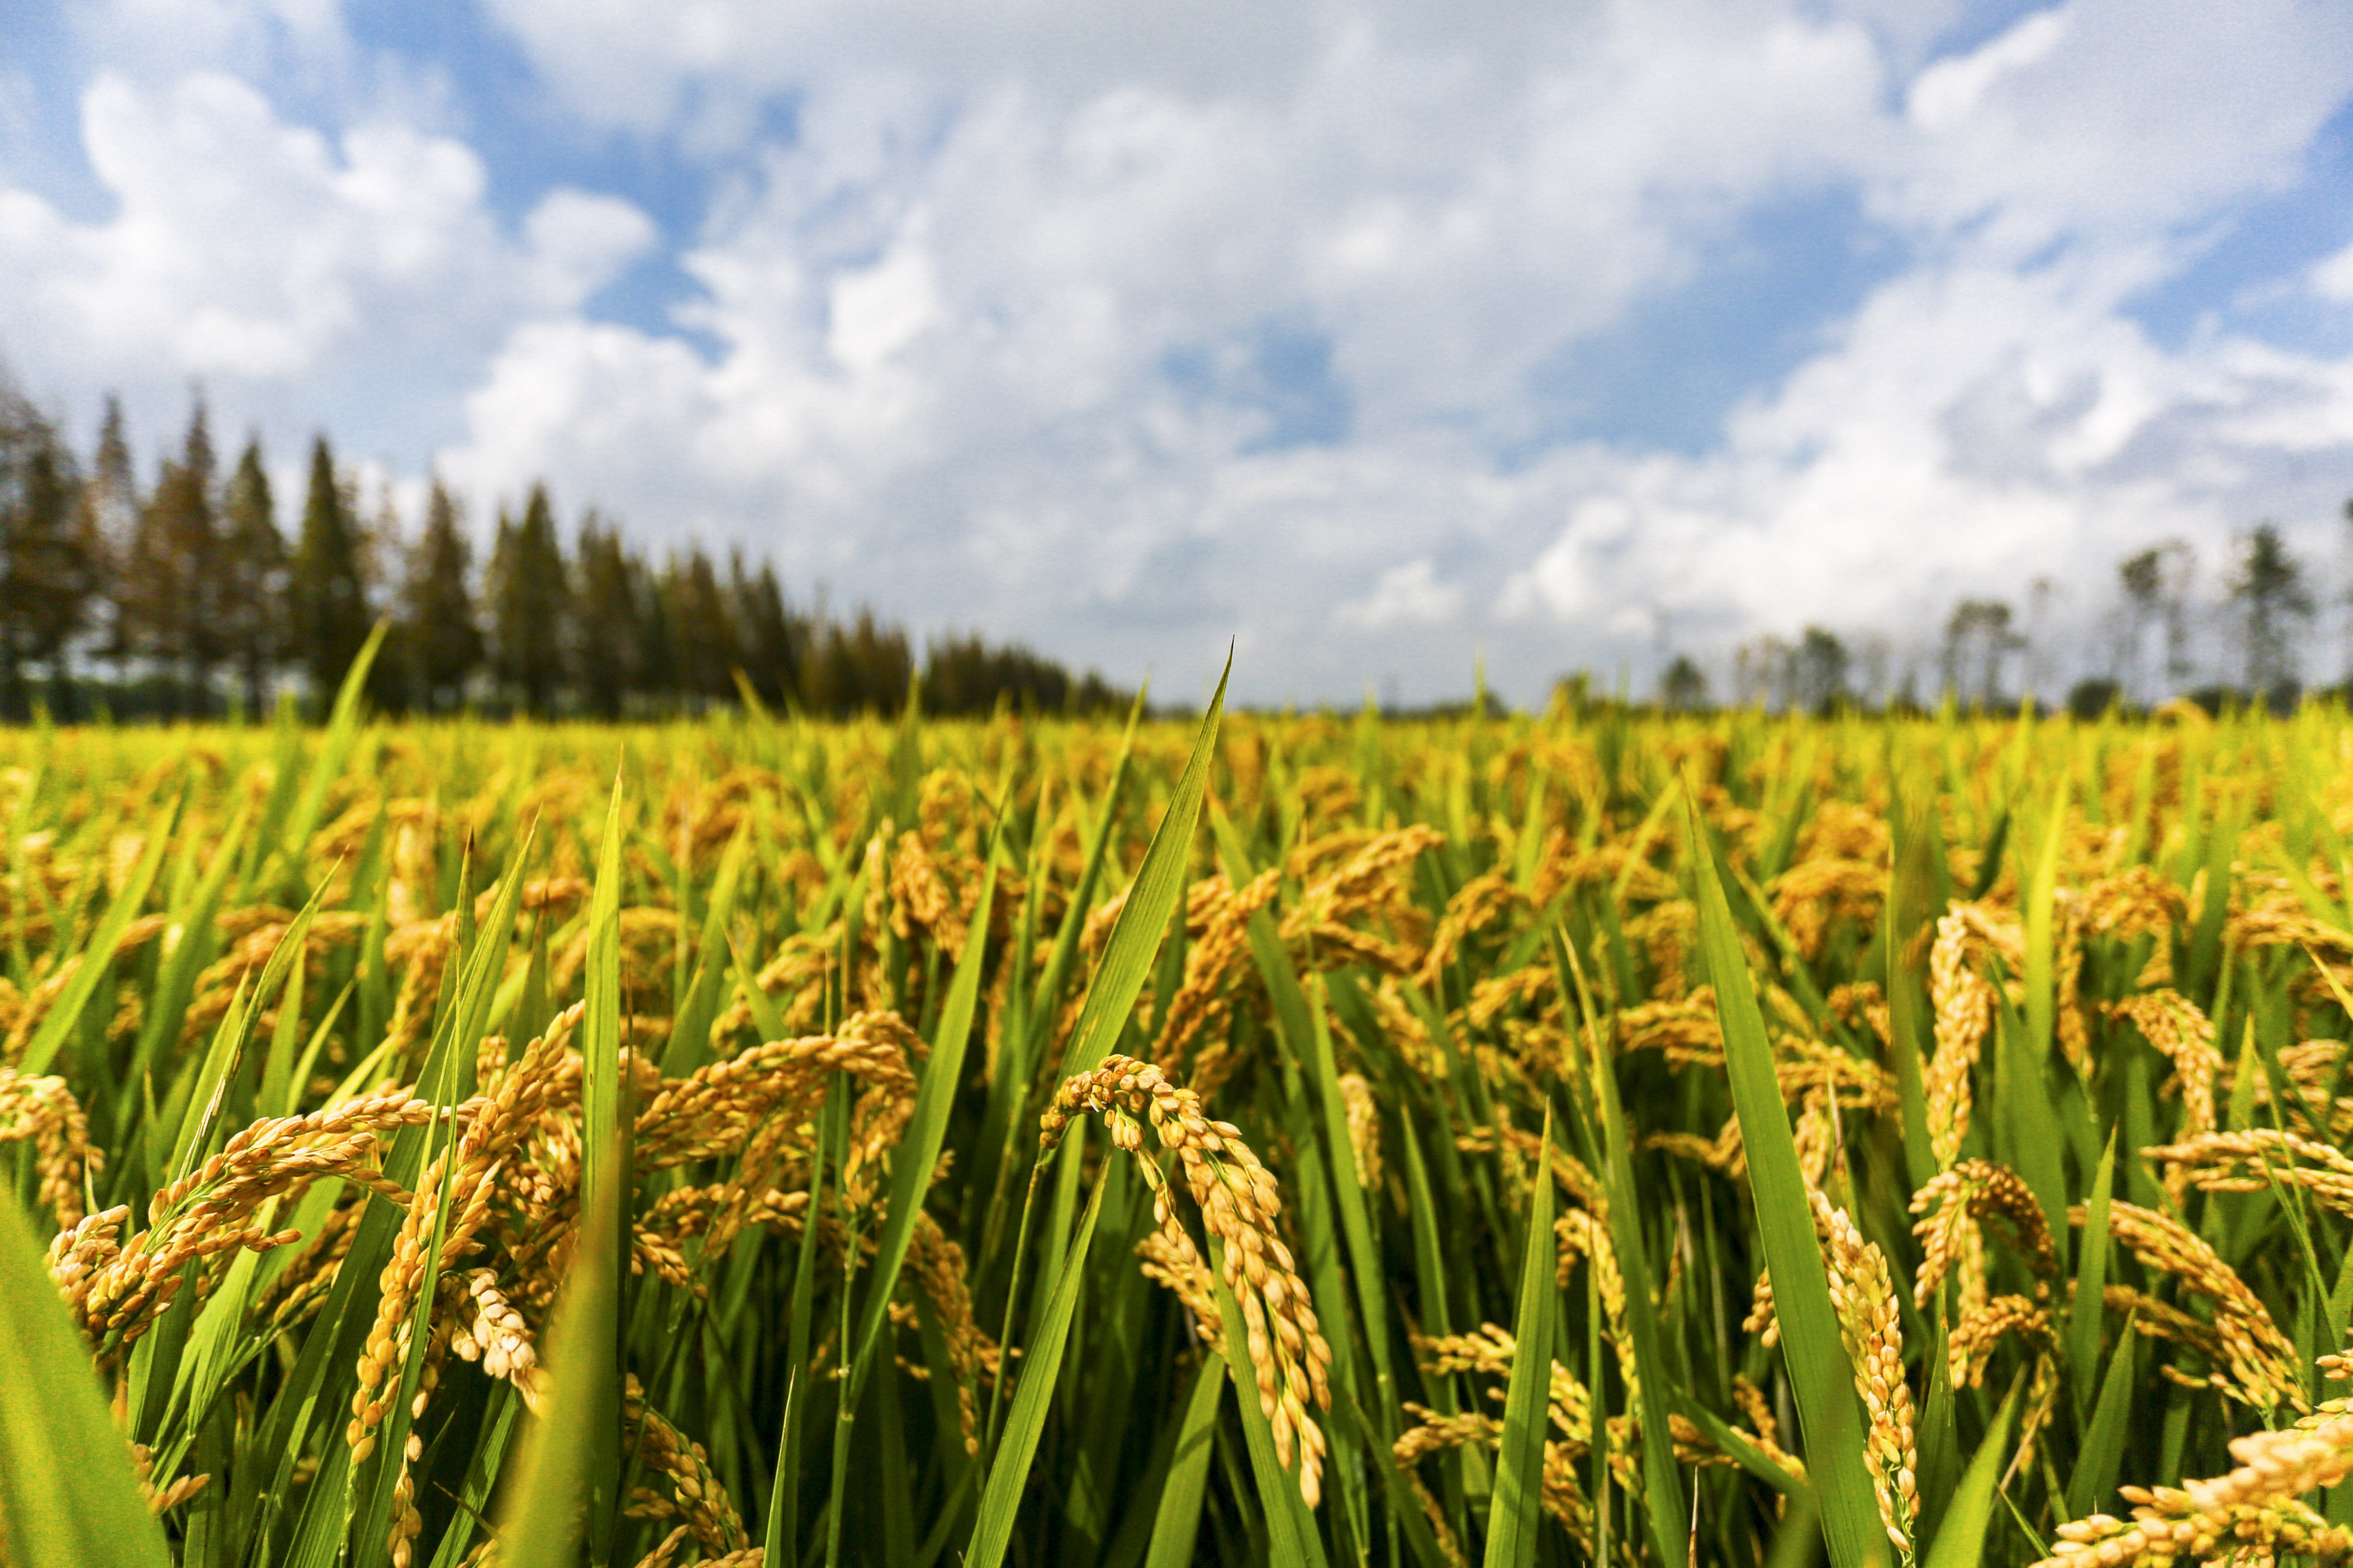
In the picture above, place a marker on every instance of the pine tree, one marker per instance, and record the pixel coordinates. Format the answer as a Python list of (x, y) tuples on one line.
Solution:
[(383, 573), (113, 505), (169, 586), (863, 666), (444, 637), (530, 604), (45, 572), (253, 577), (326, 610), (656, 675), (769, 638), (610, 617), (701, 628)]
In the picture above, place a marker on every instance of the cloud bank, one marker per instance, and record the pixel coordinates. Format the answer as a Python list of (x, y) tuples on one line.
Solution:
[(1368, 335)]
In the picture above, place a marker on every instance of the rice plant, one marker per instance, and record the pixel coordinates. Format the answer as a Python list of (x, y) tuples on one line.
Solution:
[(1293, 1140)]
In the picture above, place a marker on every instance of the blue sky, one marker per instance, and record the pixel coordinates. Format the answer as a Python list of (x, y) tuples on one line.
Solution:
[(1375, 336)]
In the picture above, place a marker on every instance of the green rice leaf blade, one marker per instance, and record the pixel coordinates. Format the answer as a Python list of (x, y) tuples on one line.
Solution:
[(1820, 1377), (1177, 1519), (1961, 1539), (1009, 1475), (1159, 885), (1512, 1522), (69, 1497)]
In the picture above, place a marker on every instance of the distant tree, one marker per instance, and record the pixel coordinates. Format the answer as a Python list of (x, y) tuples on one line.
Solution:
[(2092, 696), (968, 675), (252, 598), (769, 639), (444, 639), (2141, 575), (531, 603), (1683, 687), (2177, 568), (46, 553), (2269, 590), (2347, 597), (326, 593), (612, 618), (172, 574), (2036, 643), (862, 666), (702, 631), (114, 506), (1979, 641), (1822, 670)]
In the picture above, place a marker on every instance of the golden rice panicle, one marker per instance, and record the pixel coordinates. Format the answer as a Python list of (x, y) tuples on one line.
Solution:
[(1964, 1003), (701, 1498), (1487, 1349), (498, 1337), (44, 1110), (1238, 1199), (1957, 1203), (2176, 1027), (1969, 1347), (2254, 1514), (1171, 1260), (1201, 1007), (2254, 1159), (1364, 1128), (2261, 1364), (211, 1210), (501, 1121), (1864, 1299), (938, 1267)]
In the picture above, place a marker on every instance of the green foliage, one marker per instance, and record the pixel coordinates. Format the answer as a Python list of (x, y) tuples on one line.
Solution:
[(1513, 1049)]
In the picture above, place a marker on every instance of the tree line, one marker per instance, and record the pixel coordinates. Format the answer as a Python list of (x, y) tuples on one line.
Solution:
[(2152, 639), (186, 598)]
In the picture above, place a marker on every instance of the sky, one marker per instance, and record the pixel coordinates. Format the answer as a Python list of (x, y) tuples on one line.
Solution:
[(1376, 340)]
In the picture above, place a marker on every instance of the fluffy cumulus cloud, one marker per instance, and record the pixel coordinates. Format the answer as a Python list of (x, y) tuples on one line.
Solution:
[(1130, 331)]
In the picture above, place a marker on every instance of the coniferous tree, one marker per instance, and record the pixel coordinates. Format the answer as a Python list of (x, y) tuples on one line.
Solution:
[(114, 506), (327, 613), (657, 652), (46, 579), (862, 668), (530, 604), (171, 587), (444, 638), (253, 577), (700, 625), (767, 638), (610, 619)]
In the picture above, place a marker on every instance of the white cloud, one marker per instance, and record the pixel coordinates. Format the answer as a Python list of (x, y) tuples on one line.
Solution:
[(276, 263), (2332, 277), (1406, 594), (1127, 329)]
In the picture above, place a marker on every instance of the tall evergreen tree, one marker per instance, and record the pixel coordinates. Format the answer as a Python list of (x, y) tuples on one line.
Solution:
[(444, 638), (863, 666), (326, 609), (701, 628), (170, 577), (657, 672), (530, 604), (767, 638), (113, 504), (46, 579), (610, 618), (253, 577)]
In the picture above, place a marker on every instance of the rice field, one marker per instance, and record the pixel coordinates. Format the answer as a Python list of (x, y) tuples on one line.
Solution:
[(1266, 1139)]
